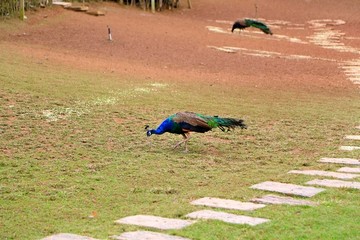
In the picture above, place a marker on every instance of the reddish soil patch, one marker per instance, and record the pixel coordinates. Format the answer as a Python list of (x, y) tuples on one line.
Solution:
[(174, 44)]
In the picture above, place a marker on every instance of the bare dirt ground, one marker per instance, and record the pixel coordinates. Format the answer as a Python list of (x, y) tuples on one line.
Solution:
[(186, 45)]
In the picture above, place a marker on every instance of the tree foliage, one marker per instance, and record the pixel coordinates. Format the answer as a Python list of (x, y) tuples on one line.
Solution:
[(12, 7)]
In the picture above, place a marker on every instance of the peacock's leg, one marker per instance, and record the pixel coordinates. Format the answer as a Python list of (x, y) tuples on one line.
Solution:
[(186, 138), (181, 142)]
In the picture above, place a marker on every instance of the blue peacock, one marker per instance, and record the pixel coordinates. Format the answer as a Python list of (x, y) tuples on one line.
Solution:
[(244, 23), (186, 122)]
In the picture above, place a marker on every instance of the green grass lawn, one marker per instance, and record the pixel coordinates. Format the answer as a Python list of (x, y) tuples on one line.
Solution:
[(73, 144)]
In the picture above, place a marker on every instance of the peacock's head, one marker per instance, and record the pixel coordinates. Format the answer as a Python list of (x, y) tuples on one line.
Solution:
[(148, 132)]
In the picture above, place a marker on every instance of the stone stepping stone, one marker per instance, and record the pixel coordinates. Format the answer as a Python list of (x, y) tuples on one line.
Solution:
[(63, 4), (349, 169), (352, 137), (146, 235), (228, 204), (287, 188), (334, 183), (77, 8), (349, 148), (227, 217), (326, 174), (95, 13), (273, 199), (340, 160), (155, 222), (67, 236)]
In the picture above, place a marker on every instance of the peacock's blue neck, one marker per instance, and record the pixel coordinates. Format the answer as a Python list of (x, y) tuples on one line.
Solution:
[(165, 126)]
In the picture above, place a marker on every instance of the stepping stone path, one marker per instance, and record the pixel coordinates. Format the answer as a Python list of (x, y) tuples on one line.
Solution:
[(155, 222), (340, 160), (273, 199), (349, 148), (334, 183), (349, 170), (227, 217), (352, 137), (228, 204), (80, 8), (326, 174), (146, 235), (67, 236), (287, 188)]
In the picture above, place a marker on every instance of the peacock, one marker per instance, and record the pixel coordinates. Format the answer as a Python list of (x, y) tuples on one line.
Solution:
[(244, 23), (186, 122)]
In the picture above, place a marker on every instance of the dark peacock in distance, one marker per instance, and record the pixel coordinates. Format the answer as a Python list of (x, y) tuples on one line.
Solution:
[(245, 23), (186, 122)]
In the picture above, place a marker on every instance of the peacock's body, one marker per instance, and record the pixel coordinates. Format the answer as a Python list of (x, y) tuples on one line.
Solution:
[(245, 23), (185, 122)]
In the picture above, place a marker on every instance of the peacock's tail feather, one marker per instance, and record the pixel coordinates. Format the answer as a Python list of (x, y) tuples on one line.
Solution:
[(259, 25), (223, 123)]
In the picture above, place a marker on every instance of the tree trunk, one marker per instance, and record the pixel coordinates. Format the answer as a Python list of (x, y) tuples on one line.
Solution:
[(22, 10), (153, 6), (189, 4)]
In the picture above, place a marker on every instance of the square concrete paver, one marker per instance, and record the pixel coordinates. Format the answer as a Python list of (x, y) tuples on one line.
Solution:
[(349, 148), (334, 183), (67, 236), (226, 203), (273, 199), (349, 169), (287, 188), (350, 161), (352, 137), (227, 217), (155, 222), (146, 235), (326, 174)]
